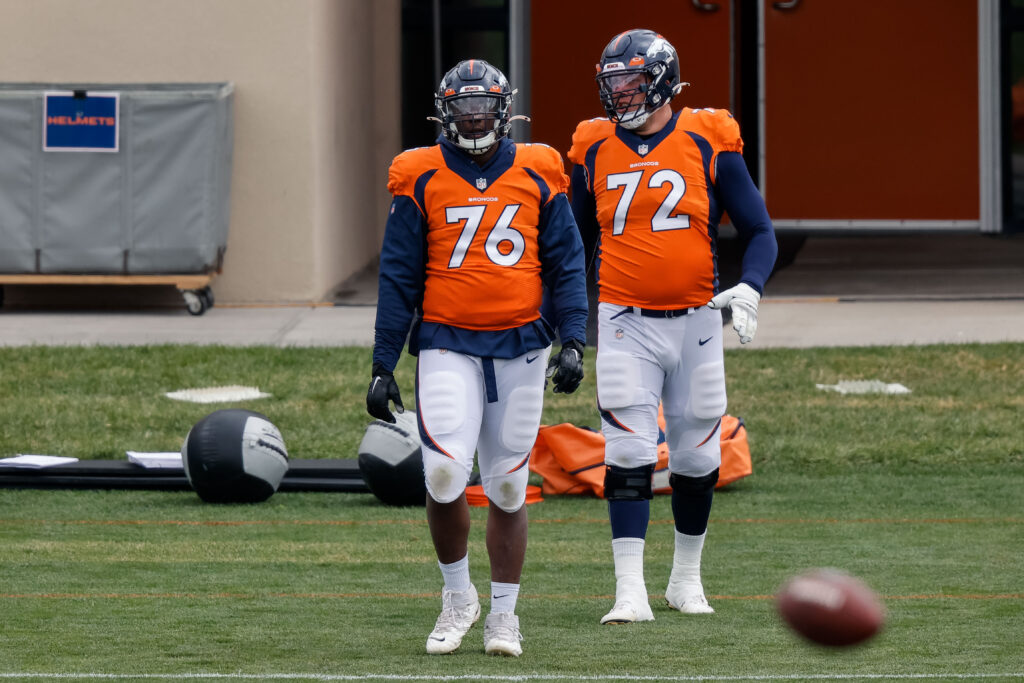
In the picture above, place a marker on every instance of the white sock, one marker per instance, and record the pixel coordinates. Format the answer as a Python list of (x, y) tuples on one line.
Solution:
[(456, 574), (629, 562), (504, 596), (686, 558)]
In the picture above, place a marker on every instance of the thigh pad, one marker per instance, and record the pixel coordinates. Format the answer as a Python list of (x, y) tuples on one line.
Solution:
[(617, 379), (521, 418), (707, 391), (442, 401)]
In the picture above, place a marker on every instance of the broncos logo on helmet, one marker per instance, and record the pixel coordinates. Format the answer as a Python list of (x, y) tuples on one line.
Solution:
[(637, 74), (473, 101)]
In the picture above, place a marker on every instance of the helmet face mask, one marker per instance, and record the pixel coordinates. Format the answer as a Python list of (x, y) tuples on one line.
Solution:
[(473, 102), (625, 93), (638, 74), (474, 121)]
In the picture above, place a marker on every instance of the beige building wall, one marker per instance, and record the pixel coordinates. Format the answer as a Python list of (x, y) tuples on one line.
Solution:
[(317, 114)]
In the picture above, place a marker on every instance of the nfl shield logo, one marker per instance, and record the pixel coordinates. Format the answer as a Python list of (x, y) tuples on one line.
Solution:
[(641, 149), (481, 183)]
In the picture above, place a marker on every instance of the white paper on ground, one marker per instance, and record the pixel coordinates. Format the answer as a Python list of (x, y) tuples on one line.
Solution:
[(164, 460), (217, 394), (865, 386), (35, 461)]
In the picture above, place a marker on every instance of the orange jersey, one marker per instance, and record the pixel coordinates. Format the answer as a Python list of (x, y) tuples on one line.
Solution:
[(656, 206), (483, 266)]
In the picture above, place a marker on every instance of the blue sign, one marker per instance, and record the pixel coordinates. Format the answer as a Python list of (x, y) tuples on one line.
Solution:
[(80, 122)]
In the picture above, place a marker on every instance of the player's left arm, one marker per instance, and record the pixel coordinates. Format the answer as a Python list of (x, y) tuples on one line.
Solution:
[(562, 268), (744, 204), (564, 275)]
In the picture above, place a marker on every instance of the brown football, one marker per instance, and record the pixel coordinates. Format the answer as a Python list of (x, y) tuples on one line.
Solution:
[(830, 607)]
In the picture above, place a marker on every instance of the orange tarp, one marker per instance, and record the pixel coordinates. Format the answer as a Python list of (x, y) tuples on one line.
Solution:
[(571, 458)]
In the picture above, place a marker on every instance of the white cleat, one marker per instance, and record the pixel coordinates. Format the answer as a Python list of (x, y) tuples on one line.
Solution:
[(459, 611), (688, 598), (630, 606), (501, 634)]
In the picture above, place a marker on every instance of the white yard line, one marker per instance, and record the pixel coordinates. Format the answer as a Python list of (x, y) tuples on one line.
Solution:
[(491, 677)]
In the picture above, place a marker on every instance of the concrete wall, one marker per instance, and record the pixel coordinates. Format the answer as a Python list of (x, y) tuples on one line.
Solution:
[(317, 114)]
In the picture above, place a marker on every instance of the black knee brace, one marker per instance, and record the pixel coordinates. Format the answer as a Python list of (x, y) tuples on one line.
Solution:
[(629, 483), (694, 486)]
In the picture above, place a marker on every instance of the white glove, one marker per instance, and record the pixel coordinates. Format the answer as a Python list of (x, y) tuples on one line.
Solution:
[(742, 299)]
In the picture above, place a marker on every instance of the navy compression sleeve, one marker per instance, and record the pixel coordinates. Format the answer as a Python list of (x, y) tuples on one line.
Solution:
[(584, 210), (744, 204), (400, 283), (564, 274)]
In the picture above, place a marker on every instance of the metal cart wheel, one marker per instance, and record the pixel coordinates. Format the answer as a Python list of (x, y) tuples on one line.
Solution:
[(195, 302), (206, 294)]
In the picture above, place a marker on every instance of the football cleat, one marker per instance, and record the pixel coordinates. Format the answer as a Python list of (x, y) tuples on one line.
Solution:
[(459, 611), (688, 598), (501, 634), (631, 605)]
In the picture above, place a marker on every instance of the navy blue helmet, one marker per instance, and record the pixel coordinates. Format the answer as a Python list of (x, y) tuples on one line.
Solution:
[(473, 101), (638, 73)]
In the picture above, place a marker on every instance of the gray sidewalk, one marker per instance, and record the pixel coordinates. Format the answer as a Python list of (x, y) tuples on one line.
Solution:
[(796, 323), (836, 291)]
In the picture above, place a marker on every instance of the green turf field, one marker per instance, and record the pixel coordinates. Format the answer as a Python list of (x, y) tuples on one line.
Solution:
[(921, 495)]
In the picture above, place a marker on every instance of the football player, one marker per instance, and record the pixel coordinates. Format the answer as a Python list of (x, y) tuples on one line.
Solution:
[(649, 186), (478, 228)]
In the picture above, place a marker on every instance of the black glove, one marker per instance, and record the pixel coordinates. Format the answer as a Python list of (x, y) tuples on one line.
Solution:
[(383, 388), (565, 368)]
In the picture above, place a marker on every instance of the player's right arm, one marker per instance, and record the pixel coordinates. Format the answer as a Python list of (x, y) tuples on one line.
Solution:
[(588, 136), (399, 293), (400, 281), (403, 258)]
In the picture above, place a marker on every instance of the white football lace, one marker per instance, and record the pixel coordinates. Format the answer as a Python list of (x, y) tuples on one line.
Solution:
[(502, 629)]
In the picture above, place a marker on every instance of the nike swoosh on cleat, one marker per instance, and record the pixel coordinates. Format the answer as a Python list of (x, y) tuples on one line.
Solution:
[(702, 342), (530, 360), (440, 640)]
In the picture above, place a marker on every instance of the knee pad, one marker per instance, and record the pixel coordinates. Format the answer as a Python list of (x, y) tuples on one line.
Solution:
[(694, 486), (633, 483), (442, 402), (446, 478), (521, 418), (707, 391), (617, 380), (508, 491), (623, 450)]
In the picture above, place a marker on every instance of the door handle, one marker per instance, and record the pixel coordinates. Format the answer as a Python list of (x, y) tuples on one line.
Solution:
[(706, 6), (789, 4)]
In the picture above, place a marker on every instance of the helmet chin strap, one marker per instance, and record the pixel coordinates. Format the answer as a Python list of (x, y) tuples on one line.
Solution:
[(473, 146), (639, 119)]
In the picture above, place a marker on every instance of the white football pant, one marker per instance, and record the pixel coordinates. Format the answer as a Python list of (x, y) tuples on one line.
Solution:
[(468, 404), (643, 361)]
